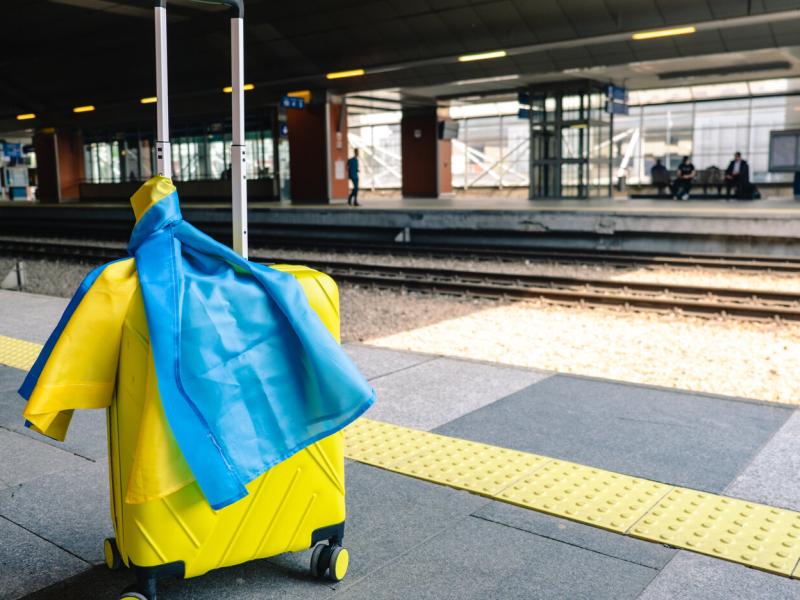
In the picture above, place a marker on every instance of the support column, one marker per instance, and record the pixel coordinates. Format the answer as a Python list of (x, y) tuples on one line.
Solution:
[(427, 171), (318, 152), (59, 165)]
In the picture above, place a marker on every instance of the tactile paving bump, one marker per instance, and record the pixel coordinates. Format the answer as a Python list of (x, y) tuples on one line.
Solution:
[(18, 354), (470, 466), (457, 463), (381, 444), (752, 534), (593, 496)]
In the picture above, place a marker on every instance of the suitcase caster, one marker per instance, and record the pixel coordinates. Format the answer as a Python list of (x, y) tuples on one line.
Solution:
[(331, 559), (145, 590), (111, 554)]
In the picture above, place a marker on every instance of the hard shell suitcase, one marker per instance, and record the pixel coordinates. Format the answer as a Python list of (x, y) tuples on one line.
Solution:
[(291, 507)]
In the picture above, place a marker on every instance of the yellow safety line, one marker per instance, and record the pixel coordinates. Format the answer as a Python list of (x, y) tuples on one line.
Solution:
[(18, 353), (748, 533)]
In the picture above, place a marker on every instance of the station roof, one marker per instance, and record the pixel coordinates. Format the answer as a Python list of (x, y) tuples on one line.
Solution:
[(65, 53)]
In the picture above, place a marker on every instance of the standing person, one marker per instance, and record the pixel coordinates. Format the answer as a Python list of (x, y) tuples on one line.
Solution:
[(352, 173), (683, 183), (737, 175)]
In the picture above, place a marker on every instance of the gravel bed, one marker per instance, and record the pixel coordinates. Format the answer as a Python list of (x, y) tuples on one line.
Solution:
[(748, 359)]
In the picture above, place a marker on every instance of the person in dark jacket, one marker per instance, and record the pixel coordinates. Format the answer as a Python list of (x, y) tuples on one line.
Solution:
[(737, 175), (683, 183), (352, 173), (659, 176)]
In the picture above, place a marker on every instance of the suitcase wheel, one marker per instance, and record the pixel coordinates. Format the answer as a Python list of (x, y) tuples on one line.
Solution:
[(333, 560), (111, 554)]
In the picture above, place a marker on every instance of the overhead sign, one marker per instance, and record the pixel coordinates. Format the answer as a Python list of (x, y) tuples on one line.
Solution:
[(616, 100), (293, 102)]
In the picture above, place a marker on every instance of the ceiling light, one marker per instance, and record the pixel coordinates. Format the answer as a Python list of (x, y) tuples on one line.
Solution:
[(482, 56), (83, 109), (246, 87), (343, 74), (487, 79), (658, 33), (26, 117), (149, 100)]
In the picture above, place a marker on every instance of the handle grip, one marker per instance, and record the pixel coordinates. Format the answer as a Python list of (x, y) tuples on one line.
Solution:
[(236, 5), (238, 146)]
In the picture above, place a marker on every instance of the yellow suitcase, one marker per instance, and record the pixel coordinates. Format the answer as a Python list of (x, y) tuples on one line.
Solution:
[(291, 507)]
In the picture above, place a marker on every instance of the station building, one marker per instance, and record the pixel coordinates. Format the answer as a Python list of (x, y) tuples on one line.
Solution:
[(498, 100)]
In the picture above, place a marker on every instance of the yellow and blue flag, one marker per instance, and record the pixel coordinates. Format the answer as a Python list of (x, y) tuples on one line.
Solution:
[(247, 373)]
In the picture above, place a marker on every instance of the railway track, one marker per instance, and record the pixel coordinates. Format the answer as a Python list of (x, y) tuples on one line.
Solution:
[(509, 255), (690, 299)]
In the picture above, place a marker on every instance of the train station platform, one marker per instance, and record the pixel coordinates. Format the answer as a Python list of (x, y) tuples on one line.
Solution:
[(418, 534), (764, 227)]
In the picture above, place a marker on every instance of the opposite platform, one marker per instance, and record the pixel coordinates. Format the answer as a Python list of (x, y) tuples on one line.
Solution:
[(764, 227)]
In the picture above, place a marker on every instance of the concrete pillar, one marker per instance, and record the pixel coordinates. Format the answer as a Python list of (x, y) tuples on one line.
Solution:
[(427, 171), (318, 151), (59, 165)]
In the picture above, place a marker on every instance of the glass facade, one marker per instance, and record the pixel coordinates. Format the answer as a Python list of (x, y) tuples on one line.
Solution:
[(197, 154), (491, 152), (709, 132), (379, 150)]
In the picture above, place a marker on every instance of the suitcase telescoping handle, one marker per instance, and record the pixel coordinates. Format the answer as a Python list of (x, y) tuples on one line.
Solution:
[(238, 149)]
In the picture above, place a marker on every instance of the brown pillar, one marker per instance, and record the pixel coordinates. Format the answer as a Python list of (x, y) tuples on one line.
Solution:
[(59, 165), (427, 172), (318, 152)]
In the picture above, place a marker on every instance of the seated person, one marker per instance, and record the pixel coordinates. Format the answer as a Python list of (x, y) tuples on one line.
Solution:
[(683, 183), (737, 175), (659, 176)]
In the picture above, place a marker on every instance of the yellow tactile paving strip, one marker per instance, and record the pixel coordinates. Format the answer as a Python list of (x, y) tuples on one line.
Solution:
[(18, 353), (752, 534), (755, 535)]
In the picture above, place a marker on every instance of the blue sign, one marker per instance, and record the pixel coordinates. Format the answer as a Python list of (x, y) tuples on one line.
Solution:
[(283, 130), (293, 102), (12, 150), (616, 108), (524, 98), (616, 100), (524, 113)]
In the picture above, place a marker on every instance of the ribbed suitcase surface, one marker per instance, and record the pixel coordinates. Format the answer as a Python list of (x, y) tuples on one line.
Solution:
[(286, 505)]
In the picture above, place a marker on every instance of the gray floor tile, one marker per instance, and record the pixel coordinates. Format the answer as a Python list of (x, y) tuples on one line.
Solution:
[(25, 459), (388, 515), (693, 577), (432, 393), (375, 362), (773, 477), (577, 534), (29, 316), (481, 560), (29, 563), (10, 380), (70, 509), (679, 438), (87, 431)]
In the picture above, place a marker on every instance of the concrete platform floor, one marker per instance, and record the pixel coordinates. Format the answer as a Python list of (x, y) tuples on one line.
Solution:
[(412, 539), (768, 206)]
